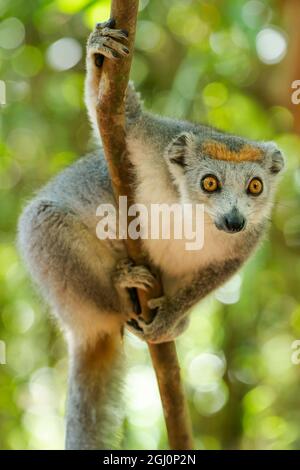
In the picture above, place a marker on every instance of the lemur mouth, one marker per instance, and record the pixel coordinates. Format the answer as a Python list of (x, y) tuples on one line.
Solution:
[(229, 226), (231, 231)]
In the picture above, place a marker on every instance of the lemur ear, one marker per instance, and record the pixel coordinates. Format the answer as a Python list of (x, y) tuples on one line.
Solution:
[(276, 164), (179, 148)]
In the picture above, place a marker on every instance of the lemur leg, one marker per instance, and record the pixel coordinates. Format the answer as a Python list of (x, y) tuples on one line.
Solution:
[(87, 283), (74, 269), (78, 271), (103, 42)]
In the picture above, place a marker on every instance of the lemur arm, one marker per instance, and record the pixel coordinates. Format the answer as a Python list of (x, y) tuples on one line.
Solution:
[(172, 312)]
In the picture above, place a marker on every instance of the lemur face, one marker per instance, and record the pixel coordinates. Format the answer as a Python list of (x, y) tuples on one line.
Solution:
[(233, 178)]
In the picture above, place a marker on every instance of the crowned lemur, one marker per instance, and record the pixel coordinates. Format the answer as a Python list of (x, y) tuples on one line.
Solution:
[(87, 280)]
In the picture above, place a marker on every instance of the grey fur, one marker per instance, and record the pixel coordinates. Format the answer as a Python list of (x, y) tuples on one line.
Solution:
[(84, 278), (90, 426)]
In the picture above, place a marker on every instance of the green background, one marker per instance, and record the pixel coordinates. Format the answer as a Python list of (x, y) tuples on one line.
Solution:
[(196, 60)]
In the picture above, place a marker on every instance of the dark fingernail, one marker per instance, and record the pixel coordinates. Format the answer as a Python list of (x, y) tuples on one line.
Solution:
[(126, 50), (154, 312), (111, 23), (125, 32), (116, 55), (135, 300), (134, 324), (99, 58)]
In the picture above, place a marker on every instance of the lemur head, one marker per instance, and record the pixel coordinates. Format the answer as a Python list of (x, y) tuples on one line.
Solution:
[(234, 178)]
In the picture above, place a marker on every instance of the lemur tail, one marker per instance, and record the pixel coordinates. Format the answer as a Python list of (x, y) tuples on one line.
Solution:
[(94, 404)]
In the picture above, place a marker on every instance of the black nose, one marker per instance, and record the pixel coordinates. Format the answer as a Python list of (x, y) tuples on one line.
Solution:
[(234, 222)]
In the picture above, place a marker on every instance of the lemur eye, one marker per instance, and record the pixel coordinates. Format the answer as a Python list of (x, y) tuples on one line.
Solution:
[(210, 183), (255, 187)]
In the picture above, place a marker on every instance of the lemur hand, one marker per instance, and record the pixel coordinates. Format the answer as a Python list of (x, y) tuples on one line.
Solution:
[(105, 41), (166, 324)]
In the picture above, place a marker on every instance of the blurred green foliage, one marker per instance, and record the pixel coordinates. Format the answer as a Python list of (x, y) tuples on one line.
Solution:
[(196, 60)]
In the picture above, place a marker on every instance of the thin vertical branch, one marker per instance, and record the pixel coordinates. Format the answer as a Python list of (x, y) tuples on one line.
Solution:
[(111, 123)]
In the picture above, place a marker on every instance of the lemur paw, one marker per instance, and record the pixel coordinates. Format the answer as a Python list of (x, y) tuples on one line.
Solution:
[(127, 276), (153, 304), (181, 326), (162, 328), (105, 41), (150, 333)]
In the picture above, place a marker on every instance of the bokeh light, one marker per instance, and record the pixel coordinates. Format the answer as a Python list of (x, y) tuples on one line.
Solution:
[(27, 61), (255, 13), (230, 292), (149, 36), (205, 371), (64, 54), (271, 45), (12, 33)]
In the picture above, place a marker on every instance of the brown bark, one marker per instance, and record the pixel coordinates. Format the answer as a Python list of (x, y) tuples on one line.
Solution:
[(111, 123)]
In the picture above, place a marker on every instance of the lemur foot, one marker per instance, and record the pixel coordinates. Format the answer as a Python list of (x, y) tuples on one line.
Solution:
[(153, 304), (127, 276), (105, 41)]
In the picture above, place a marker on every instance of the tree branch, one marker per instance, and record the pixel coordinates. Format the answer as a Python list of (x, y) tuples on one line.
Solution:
[(111, 123)]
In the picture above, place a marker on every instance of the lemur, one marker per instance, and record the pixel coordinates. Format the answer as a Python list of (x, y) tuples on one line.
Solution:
[(86, 280)]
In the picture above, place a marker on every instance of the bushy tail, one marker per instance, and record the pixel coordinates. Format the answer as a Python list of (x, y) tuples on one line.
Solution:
[(94, 411)]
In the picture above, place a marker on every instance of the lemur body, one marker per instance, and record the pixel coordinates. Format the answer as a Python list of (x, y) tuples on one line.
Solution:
[(86, 279)]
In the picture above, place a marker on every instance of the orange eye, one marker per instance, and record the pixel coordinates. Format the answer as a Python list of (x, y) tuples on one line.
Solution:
[(255, 187), (210, 183)]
